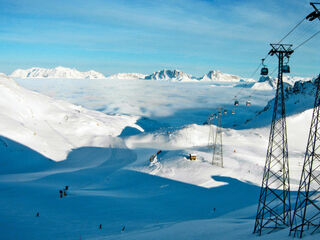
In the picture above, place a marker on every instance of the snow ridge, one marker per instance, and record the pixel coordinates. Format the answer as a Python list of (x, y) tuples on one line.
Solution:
[(171, 75), (215, 75), (269, 83), (58, 72)]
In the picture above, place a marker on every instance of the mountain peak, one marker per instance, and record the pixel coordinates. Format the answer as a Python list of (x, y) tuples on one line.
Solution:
[(216, 75), (171, 75)]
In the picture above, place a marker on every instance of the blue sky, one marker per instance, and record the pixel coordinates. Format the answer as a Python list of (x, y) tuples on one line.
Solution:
[(145, 36)]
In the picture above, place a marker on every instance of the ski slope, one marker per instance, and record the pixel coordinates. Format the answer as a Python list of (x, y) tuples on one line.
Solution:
[(103, 156)]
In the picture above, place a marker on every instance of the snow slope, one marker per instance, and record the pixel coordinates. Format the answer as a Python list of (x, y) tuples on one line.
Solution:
[(58, 72), (131, 197), (298, 98), (51, 127)]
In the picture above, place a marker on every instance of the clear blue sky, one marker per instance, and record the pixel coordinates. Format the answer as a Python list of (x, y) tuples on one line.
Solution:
[(145, 36)]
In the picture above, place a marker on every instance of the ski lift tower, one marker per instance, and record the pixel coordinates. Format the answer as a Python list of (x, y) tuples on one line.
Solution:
[(306, 214), (217, 157), (274, 201)]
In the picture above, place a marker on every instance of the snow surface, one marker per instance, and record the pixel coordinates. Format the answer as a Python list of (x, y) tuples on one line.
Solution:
[(113, 183), (53, 128), (58, 72)]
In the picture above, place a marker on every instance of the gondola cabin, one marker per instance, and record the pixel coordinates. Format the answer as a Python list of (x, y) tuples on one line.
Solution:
[(225, 112), (264, 71), (236, 102), (286, 69), (248, 103), (192, 157)]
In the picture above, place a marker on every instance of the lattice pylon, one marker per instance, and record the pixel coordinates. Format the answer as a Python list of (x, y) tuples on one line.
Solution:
[(217, 156), (274, 208), (211, 131), (306, 213)]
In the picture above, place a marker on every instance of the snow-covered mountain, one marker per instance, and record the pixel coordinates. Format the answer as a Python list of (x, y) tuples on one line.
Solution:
[(291, 80), (268, 83), (127, 76), (298, 98), (171, 75), (58, 72), (215, 75), (54, 127), (264, 83)]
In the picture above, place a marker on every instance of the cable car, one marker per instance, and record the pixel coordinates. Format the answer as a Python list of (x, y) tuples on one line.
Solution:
[(286, 69), (236, 102), (264, 69), (248, 103), (225, 112)]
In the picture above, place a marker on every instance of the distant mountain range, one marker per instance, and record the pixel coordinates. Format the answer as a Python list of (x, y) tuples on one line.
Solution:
[(58, 72), (162, 75)]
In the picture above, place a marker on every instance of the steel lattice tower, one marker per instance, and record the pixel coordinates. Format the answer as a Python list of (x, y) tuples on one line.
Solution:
[(217, 157), (307, 208), (211, 131), (274, 201)]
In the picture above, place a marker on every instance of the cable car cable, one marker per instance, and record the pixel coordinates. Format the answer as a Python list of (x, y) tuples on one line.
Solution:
[(309, 27), (307, 40), (294, 28)]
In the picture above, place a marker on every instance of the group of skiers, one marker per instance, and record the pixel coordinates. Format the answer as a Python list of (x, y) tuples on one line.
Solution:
[(63, 193)]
